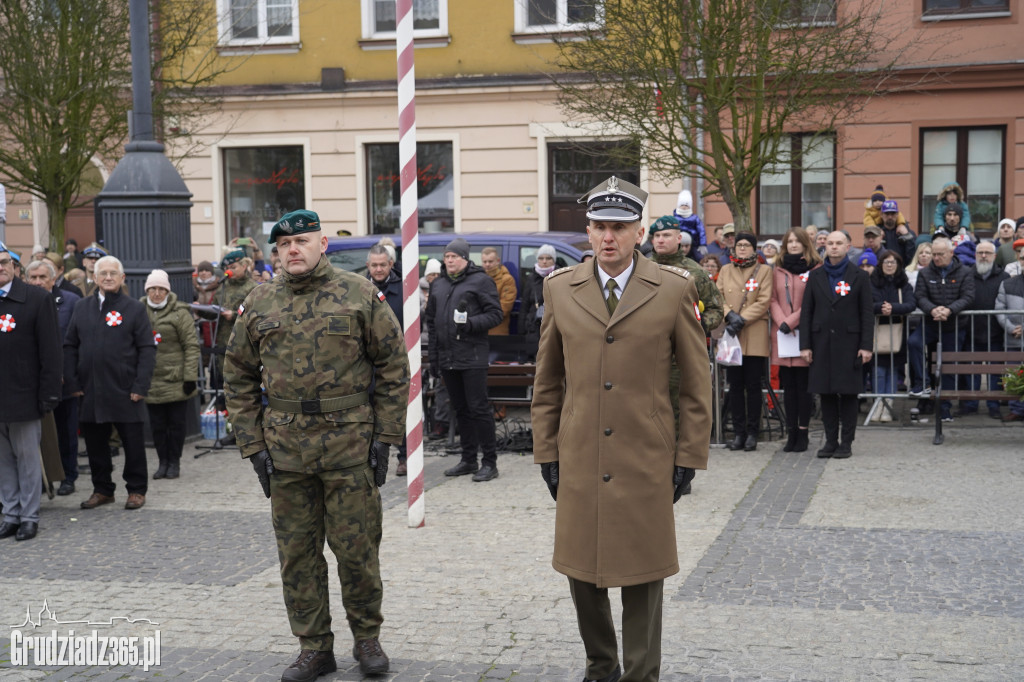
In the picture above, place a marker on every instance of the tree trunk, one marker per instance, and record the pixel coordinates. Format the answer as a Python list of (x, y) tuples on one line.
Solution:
[(57, 214)]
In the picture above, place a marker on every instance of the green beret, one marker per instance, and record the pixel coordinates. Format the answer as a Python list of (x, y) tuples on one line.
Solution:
[(232, 257), (665, 222), (296, 222)]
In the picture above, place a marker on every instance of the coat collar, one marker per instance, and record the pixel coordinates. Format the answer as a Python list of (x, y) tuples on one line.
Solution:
[(586, 290), (17, 291)]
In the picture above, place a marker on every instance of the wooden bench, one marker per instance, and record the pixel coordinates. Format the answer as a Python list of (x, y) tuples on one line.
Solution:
[(966, 363), (519, 375)]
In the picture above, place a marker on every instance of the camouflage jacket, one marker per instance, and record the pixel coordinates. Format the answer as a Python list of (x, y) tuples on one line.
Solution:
[(323, 335), (713, 312), (229, 297)]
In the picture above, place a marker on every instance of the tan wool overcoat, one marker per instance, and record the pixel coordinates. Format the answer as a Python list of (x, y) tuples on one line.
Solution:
[(601, 409), (756, 282)]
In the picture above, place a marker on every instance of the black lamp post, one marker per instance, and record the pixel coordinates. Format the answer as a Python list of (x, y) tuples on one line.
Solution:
[(142, 213)]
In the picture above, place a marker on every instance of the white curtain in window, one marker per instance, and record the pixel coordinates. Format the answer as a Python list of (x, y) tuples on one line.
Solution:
[(426, 10)]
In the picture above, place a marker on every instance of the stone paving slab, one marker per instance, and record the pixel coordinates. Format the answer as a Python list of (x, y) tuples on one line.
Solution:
[(793, 568)]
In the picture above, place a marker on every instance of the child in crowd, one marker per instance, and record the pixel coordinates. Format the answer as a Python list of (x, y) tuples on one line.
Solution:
[(873, 209), (951, 195), (691, 223)]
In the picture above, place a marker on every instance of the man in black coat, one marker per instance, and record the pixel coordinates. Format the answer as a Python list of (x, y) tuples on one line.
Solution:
[(43, 275), (838, 320), (109, 356), (380, 269), (896, 236), (944, 289), (462, 308), (30, 346), (984, 333)]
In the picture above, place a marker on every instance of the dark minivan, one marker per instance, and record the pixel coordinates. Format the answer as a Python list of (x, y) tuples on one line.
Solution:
[(518, 251)]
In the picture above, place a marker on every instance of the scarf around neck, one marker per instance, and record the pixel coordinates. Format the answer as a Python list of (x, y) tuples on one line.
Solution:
[(743, 263), (795, 263)]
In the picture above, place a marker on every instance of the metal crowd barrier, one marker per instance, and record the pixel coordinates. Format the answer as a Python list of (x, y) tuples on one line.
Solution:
[(970, 331)]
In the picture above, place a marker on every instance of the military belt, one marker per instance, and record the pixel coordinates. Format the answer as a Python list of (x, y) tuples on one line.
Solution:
[(318, 405)]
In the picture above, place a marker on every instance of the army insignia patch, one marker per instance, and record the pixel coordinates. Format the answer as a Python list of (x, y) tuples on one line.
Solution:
[(241, 308), (7, 323), (380, 295), (114, 319), (842, 288), (156, 337), (696, 310), (805, 276)]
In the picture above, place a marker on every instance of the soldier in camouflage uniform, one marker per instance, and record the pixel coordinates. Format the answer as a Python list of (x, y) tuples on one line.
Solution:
[(318, 338), (666, 237)]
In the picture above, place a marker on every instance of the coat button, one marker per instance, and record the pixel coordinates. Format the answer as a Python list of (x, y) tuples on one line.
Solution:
[(609, 338), (607, 385), (607, 432), (607, 477)]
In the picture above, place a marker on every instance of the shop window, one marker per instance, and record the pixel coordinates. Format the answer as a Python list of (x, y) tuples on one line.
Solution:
[(261, 184), (801, 192), (435, 187)]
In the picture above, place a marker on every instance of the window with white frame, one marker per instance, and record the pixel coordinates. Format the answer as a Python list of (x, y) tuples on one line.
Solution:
[(548, 16), (974, 158), (258, 22), (801, 191), (429, 18)]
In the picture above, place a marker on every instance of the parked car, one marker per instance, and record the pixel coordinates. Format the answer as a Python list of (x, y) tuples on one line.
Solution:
[(518, 250)]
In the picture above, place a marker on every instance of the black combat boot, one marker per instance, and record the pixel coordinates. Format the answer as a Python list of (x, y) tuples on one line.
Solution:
[(372, 659), (161, 471), (173, 468), (310, 665)]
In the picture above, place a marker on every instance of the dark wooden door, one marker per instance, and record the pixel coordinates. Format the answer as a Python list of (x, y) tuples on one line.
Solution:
[(574, 168)]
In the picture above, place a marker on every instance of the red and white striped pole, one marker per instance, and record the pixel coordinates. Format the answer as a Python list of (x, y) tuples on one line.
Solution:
[(410, 256)]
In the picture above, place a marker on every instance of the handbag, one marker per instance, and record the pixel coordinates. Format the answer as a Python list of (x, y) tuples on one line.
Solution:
[(729, 352), (889, 337)]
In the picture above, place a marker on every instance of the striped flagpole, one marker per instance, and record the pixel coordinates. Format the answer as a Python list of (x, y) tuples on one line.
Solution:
[(410, 256)]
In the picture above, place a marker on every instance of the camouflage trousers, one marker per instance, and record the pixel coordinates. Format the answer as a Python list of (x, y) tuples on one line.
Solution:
[(344, 507)]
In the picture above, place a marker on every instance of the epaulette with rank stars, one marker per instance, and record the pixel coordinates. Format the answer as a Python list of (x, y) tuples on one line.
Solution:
[(685, 274), (559, 271)]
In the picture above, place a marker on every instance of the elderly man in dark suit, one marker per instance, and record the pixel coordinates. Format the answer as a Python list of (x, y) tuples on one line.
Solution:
[(109, 356), (605, 434), (44, 275), (30, 344), (838, 325)]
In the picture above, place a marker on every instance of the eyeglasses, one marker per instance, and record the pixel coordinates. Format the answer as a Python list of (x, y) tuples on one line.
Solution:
[(5, 262)]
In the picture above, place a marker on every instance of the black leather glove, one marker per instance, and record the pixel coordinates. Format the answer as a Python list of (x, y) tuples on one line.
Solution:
[(734, 323), (188, 387), (264, 468), (681, 478), (549, 472), (379, 462), (784, 328)]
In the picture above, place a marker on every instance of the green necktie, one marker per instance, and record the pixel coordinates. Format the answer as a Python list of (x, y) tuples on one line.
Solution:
[(613, 300)]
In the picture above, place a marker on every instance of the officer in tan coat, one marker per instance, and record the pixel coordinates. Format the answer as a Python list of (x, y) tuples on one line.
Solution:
[(604, 432)]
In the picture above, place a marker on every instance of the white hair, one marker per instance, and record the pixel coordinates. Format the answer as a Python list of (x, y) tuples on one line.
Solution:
[(107, 260), (45, 263)]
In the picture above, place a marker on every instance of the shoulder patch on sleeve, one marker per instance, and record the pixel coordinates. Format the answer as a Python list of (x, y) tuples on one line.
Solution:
[(685, 274), (559, 271)]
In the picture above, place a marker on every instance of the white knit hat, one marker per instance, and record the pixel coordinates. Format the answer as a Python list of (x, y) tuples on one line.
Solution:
[(433, 267), (158, 278), (547, 250)]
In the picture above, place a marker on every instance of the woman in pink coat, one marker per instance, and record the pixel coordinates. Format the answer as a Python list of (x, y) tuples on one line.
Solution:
[(796, 258)]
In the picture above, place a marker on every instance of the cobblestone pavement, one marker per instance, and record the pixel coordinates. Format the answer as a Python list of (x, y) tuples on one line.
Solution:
[(905, 562)]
